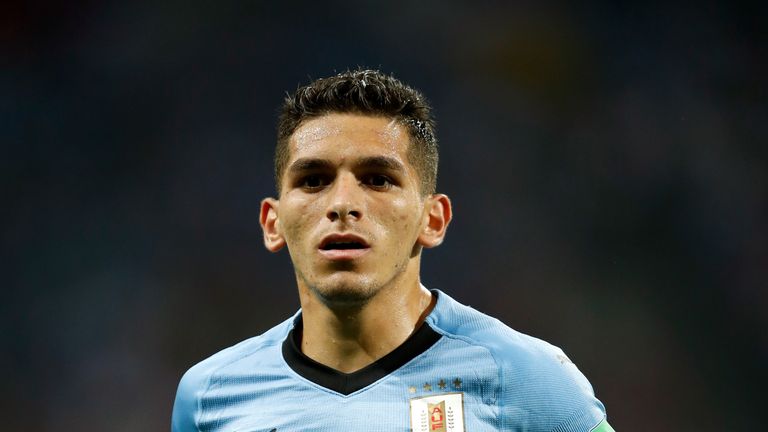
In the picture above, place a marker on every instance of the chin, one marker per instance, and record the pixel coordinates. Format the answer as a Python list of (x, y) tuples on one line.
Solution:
[(344, 293)]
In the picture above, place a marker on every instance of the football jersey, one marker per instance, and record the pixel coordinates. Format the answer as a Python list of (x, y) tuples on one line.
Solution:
[(459, 371)]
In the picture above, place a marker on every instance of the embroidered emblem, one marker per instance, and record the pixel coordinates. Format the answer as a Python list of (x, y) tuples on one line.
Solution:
[(436, 416), (439, 413)]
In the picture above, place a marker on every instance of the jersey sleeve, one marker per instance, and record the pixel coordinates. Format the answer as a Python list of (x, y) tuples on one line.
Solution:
[(547, 393), (185, 407)]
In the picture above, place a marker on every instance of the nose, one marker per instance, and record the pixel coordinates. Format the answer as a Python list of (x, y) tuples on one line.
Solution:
[(345, 199)]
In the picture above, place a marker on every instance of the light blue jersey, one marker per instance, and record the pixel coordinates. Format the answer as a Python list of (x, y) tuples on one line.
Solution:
[(460, 371)]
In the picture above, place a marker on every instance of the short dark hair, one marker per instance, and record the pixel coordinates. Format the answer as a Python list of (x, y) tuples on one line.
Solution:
[(368, 92)]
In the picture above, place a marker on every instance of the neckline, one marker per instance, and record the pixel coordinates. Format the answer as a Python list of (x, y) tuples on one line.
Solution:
[(347, 383)]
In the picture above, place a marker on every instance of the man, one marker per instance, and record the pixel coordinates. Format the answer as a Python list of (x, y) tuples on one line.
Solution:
[(371, 348)]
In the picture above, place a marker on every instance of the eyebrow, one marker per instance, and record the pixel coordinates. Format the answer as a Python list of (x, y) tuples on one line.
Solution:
[(313, 164), (382, 162), (309, 164)]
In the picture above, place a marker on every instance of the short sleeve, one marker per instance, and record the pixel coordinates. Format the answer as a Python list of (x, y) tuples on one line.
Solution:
[(548, 393), (185, 406)]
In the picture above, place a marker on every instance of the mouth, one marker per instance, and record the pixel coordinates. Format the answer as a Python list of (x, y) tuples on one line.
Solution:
[(341, 247)]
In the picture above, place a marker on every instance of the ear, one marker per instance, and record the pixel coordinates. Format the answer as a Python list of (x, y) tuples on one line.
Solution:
[(270, 225), (437, 216)]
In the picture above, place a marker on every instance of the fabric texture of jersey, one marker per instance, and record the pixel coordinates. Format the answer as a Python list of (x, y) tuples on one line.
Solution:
[(466, 371)]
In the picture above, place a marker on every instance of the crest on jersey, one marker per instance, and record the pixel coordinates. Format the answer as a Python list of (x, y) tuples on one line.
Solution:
[(439, 413)]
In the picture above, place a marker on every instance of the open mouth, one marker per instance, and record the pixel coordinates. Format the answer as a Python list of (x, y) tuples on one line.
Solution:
[(343, 245)]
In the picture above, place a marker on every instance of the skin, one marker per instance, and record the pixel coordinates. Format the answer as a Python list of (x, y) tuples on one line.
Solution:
[(348, 175)]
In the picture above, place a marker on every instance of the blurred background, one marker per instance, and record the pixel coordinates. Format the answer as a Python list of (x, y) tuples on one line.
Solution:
[(607, 165)]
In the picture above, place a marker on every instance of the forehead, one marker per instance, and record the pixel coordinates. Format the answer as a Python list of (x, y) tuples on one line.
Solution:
[(348, 136)]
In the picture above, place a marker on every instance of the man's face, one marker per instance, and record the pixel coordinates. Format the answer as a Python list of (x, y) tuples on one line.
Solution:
[(350, 210)]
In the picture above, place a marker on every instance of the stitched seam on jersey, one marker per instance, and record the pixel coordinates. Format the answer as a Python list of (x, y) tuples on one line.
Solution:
[(250, 352), (574, 414), (199, 397), (470, 341)]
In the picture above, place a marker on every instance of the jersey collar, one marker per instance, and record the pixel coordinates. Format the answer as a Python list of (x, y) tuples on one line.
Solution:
[(347, 383)]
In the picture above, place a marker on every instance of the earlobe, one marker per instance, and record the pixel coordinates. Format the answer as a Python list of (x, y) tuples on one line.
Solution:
[(270, 225), (437, 216)]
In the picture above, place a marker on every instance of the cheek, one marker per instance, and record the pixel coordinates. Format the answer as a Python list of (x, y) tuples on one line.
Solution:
[(403, 217), (300, 222)]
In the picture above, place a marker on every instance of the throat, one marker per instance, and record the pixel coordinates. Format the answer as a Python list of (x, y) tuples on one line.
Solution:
[(350, 339), (348, 345)]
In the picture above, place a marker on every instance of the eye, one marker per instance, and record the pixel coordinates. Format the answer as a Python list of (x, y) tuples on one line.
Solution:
[(378, 181), (313, 181)]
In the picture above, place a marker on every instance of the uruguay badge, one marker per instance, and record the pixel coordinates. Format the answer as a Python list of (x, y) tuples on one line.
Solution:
[(439, 413)]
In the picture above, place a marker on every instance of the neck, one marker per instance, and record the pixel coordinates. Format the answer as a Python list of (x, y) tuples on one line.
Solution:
[(350, 338)]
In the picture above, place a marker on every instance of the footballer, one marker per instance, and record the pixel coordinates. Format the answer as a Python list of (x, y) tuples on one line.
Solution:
[(372, 348)]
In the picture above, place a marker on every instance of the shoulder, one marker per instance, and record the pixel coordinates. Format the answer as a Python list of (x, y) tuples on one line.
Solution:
[(540, 385), (196, 381), (508, 346)]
